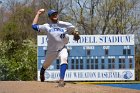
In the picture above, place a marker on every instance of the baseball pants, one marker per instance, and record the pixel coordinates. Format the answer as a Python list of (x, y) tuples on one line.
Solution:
[(52, 55)]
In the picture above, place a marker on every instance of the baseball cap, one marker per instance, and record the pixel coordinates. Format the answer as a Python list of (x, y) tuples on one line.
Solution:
[(50, 12)]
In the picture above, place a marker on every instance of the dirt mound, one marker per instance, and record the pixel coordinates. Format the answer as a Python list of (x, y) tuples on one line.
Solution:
[(48, 87)]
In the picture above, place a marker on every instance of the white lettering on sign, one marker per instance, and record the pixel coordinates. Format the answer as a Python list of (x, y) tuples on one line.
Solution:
[(126, 47), (130, 56), (111, 57), (121, 56), (78, 75), (94, 40), (88, 47), (106, 47)]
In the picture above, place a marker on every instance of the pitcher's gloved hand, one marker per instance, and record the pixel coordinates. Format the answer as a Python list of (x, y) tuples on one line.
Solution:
[(76, 36)]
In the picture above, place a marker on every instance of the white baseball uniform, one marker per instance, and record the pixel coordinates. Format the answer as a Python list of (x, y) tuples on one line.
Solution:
[(57, 39)]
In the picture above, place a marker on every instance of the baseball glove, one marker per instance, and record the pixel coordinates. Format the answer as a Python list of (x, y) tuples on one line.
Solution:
[(76, 36)]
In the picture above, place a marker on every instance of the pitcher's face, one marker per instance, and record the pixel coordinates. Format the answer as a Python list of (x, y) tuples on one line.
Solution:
[(54, 17)]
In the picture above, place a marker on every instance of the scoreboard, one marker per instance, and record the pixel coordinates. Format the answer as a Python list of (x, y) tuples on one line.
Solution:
[(93, 57)]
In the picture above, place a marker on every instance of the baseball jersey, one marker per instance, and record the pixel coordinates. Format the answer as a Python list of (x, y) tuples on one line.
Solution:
[(57, 34)]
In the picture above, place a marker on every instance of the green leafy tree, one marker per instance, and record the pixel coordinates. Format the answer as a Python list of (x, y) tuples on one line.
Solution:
[(22, 64)]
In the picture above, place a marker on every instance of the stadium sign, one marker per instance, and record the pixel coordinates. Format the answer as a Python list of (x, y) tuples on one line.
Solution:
[(93, 57)]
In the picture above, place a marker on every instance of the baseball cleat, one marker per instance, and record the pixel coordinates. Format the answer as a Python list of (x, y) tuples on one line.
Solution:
[(42, 72), (61, 84), (42, 77)]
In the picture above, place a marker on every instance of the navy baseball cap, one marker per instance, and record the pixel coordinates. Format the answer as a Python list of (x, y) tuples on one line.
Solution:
[(50, 12)]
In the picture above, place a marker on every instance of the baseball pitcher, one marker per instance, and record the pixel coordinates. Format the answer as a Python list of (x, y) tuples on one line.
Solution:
[(57, 33)]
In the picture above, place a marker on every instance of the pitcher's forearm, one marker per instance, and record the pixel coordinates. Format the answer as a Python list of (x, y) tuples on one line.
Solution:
[(35, 21)]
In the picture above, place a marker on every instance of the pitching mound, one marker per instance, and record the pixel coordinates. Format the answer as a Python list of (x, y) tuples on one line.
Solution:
[(45, 87)]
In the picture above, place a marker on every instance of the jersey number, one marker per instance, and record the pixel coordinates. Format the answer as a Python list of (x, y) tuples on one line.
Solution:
[(62, 36)]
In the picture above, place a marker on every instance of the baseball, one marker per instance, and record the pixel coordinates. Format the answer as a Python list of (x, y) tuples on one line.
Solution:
[(42, 10)]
